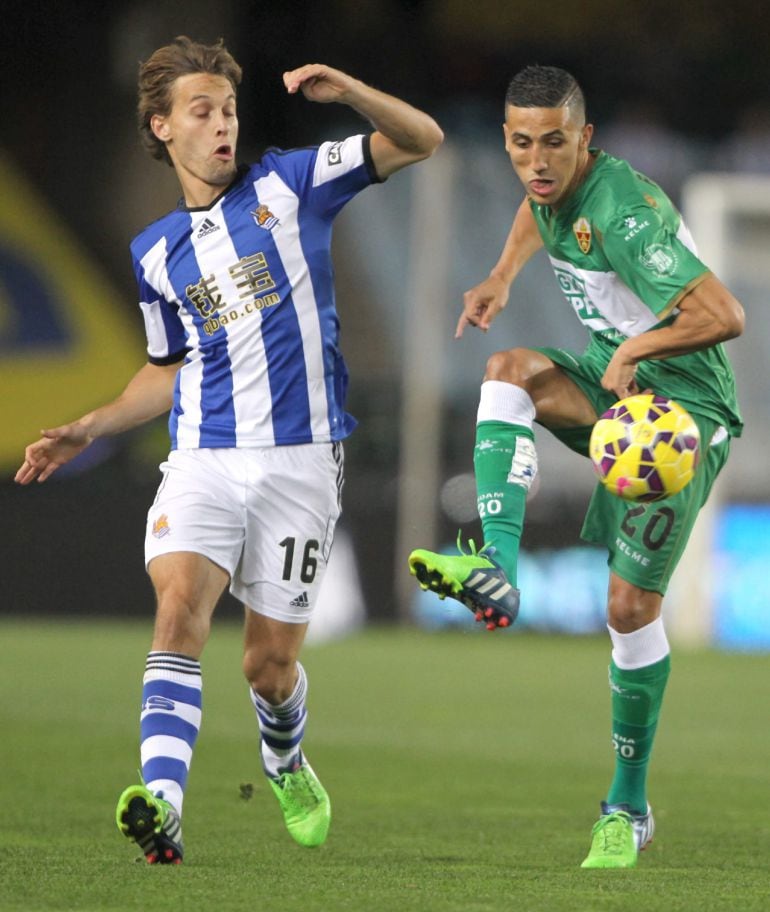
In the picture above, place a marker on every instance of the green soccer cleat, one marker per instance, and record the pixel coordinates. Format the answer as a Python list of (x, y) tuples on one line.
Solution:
[(152, 824), (618, 836), (305, 804), (474, 579)]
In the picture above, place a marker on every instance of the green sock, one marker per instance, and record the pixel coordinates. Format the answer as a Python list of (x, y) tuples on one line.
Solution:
[(637, 696), (505, 464)]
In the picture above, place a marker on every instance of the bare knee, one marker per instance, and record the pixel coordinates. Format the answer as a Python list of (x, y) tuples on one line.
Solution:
[(182, 623), (187, 587), (630, 608), (512, 366)]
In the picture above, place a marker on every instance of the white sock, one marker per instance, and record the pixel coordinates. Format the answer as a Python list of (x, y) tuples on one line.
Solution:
[(499, 401), (642, 647)]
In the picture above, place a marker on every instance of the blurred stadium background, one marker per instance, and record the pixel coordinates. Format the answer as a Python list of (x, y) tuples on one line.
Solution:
[(682, 90)]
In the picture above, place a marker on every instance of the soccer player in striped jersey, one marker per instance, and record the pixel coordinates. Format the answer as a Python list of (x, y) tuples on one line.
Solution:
[(236, 290), (656, 318)]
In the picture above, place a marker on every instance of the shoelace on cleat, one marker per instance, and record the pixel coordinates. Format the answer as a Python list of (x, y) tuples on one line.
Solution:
[(474, 552), (612, 829), (300, 789)]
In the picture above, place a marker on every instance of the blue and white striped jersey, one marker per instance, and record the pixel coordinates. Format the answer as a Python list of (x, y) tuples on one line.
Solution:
[(242, 291)]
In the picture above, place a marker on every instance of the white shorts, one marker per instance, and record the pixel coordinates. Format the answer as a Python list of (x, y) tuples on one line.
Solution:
[(266, 515)]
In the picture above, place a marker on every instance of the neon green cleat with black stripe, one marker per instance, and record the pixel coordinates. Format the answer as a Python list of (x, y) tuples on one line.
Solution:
[(150, 822), (475, 579)]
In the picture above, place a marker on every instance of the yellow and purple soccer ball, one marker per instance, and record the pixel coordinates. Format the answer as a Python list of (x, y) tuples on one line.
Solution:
[(645, 448)]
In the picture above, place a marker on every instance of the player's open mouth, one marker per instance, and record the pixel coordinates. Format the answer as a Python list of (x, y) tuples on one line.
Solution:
[(224, 152), (542, 187)]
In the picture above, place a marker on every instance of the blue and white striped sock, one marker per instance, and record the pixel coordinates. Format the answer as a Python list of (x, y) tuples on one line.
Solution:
[(282, 728), (171, 717)]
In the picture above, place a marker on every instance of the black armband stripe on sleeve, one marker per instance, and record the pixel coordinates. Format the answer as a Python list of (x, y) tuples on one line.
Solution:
[(369, 161), (173, 358)]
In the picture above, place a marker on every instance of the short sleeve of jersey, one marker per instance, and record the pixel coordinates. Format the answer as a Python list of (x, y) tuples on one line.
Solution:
[(327, 176), (166, 336), (651, 258)]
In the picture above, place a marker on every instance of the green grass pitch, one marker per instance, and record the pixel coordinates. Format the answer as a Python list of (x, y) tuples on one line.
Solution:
[(465, 771)]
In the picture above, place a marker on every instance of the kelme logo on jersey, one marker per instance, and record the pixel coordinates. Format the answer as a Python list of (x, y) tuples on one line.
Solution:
[(634, 226), (660, 259), (265, 218), (582, 229)]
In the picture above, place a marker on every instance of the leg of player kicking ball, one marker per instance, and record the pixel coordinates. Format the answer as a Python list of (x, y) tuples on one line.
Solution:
[(188, 587), (278, 688), (639, 670), (505, 464), (519, 386)]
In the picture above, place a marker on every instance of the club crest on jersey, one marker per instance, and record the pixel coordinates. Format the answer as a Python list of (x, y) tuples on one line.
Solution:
[(582, 229), (161, 528), (265, 218), (660, 259)]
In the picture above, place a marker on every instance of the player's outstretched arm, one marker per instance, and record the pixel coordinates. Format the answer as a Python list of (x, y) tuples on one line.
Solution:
[(404, 134), (483, 302), (148, 394), (708, 314)]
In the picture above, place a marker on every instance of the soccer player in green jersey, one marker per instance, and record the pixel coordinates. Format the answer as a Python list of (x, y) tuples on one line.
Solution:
[(656, 318)]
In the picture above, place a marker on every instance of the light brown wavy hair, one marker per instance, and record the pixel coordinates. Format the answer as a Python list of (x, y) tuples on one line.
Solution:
[(158, 75)]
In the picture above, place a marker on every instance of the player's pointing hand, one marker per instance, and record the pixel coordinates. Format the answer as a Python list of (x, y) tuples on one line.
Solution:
[(482, 303)]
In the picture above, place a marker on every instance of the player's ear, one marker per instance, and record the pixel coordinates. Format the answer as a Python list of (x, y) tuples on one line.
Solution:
[(160, 127), (587, 133)]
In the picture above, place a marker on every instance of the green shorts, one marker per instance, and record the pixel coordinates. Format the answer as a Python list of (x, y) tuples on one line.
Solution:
[(645, 541)]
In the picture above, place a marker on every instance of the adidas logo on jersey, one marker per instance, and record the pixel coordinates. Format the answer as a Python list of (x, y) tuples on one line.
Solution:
[(301, 601), (208, 227)]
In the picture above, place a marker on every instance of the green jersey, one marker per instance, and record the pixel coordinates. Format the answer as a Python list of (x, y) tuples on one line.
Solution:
[(624, 259)]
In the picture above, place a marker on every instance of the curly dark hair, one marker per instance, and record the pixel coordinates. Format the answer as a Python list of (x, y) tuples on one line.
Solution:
[(158, 74)]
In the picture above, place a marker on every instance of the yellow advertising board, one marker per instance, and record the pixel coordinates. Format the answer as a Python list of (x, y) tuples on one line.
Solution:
[(67, 344)]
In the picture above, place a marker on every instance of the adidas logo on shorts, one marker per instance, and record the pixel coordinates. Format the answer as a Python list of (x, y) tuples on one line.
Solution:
[(301, 601)]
